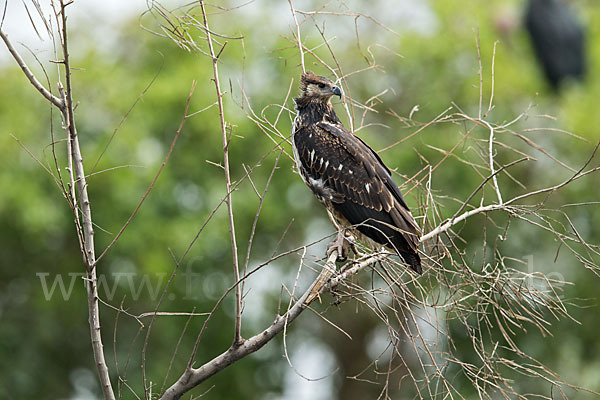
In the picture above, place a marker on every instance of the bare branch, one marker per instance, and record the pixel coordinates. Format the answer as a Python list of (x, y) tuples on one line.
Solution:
[(83, 221), (236, 269), (300, 47), (194, 376), (491, 160), (32, 79)]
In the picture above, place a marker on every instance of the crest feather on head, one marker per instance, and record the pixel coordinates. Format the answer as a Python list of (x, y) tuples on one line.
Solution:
[(310, 77)]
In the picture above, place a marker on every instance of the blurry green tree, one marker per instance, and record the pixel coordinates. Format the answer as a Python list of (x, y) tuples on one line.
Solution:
[(507, 302)]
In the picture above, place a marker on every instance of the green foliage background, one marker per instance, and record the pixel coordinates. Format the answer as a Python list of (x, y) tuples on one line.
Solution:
[(44, 343)]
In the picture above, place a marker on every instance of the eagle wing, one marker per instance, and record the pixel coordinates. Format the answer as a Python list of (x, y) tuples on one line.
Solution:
[(341, 168)]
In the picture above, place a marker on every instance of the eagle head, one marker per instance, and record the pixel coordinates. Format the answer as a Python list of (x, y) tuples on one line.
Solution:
[(318, 87)]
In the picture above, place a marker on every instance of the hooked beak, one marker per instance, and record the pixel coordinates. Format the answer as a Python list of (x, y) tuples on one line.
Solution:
[(337, 91)]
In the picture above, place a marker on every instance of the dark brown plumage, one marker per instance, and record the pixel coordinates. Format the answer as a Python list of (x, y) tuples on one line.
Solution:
[(347, 176)]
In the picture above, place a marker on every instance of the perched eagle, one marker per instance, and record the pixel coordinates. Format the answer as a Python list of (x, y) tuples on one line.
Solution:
[(347, 176)]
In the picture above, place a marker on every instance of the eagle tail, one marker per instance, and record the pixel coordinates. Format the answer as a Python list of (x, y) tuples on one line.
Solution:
[(413, 260)]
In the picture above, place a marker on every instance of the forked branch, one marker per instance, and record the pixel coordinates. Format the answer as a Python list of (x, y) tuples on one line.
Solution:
[(58, 102), (79, 198), (194, 376), (85, 217)]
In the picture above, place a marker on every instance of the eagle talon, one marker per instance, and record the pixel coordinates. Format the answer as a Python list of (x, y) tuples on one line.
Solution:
[(340, 244)]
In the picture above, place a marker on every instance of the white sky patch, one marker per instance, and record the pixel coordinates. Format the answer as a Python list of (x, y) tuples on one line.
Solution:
[(314, 360), (378, 345), (99, 18)]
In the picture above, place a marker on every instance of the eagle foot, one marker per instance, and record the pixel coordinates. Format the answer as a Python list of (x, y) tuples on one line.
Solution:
[(341, 244)]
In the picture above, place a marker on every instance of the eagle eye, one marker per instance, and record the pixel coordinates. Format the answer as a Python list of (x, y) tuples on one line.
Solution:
[(322, 85)]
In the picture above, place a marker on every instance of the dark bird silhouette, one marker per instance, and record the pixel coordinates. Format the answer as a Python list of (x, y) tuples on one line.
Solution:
[(347, 176), (558, 40)]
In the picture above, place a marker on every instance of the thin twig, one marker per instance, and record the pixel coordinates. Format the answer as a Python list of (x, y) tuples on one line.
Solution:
[(491, 160), (162, 166), (254, 223), (237, 338), (300, 47)]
